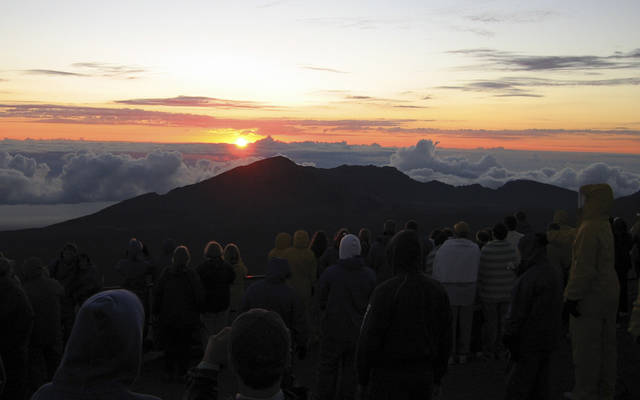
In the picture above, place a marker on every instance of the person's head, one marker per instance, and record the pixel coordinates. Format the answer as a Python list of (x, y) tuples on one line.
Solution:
[(105, 346), (389, 227), (69, 252), (500, 231), (521, 216), (595, 201), (213, 250), (510, 222), (411, 225), (483, 236), (620, 226), (439, 236), (342, 232), (364, 235), (134, 249), (259, 349), (283, 241), (532, 250), (32, 268), (405, 251), (319, 243), (181, 257), (349, 247), (232, 254), (462, 230), (301, 239)]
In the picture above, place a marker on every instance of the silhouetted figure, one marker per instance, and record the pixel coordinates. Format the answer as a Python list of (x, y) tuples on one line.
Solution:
[(533, 324), (178, 296), (456, 267), (16, 322), (236, 290), (591, 297), (45, 347), (343, 294), (217, 276), (319, 243), (513, 236), (168, 246), (483, 237), (523, 225), (257, 348), (330, 256), (365, 242), (425, 242), (623, 242), (104, 353), (66, 270), (560, 237), (405, 340), (303, 267), (635, 252), (378, 256), (89, 280), (273, 294), (137, 272), (496, 276), (438, 236), (283, 242)]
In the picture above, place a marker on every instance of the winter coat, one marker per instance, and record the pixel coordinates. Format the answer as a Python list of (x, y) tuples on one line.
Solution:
[(496, 273), (178, 296), (216, 276), (16, 315), (456, 267), (379, 259), (79, 282), (303, 266), (45, 295), (407, 327), (137, 274), (561, 242), (343, 294), (534, 319), (283, 242), (592, 279), (236, 290), (623, 243), (272, 293), (104, 353)]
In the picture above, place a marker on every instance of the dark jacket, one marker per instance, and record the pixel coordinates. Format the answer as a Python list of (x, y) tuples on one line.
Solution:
[(274, 294), (378, 258), (343, 294), (408, 325), (178, 296), (623, 243), (16, 315), (328, 258), (217, 276), (533, 323), (45, 295), (79, 282), (136, 274), (104, 353)]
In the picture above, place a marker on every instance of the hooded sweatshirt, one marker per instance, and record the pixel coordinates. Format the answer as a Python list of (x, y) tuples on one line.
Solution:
[(104, 353), (283, 242), (303, 266), (273, 294), (561, 242), (593, 280), (456, 267)]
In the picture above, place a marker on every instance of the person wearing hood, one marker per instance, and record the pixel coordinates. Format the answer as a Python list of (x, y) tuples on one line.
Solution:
[(104, 353), (66, 270), (560, 238), (319, 243), (343, 294), (45, 347), (330, 256), (523, 226), (136, 271), (405, 339), (178, 296), (231, 256), (217, 276), (456, 267), (303, 266), (533, 323), (591, 297), (273, 293), (378, 258), (283, 242), (16, 322)]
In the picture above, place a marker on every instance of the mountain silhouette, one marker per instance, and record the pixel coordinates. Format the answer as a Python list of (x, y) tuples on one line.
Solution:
[(249, 205)]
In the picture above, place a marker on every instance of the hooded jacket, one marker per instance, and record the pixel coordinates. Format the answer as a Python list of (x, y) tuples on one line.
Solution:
[(16, 315), (272, 293), (45, 295), (592, 279), (178, 296), (216, 276), (283, 242), (456, 267), (104, 353), (561, 242), (303, 266), (343, 294)]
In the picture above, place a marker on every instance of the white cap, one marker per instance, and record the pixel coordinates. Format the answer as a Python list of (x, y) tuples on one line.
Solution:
[(349, 246)]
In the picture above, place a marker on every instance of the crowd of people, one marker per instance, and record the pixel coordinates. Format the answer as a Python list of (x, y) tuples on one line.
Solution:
[(389, 315)]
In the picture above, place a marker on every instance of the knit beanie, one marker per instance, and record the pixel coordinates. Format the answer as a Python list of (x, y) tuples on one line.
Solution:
[(349, 246)]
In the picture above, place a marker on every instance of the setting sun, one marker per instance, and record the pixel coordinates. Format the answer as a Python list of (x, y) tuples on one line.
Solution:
[(241, 142)]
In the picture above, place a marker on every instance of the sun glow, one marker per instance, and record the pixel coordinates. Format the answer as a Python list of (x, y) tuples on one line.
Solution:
[(241, 142)]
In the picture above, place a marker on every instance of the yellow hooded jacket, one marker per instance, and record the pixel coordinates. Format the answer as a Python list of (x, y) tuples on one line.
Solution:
[(561, 242), (592, 279), (283, 242), (303, 266)]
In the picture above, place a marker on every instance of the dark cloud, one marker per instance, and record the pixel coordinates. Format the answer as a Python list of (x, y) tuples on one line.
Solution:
[(197, 101), (51, 72), (323, 69), (519, 62)]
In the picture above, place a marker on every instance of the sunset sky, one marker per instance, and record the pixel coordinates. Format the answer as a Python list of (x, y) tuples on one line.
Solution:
[(543, 75)]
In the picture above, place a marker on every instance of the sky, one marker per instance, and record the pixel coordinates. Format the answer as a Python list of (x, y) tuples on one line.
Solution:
[(520, 75)]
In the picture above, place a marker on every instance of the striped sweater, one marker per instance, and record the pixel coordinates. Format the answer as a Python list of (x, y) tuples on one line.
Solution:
[(497, 271)]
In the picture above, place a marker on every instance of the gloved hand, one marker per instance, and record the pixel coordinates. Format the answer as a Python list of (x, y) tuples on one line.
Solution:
[(301, 352), (572, 307)]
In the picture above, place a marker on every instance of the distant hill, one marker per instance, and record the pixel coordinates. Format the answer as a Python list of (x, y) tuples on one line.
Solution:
[(249, 205)]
